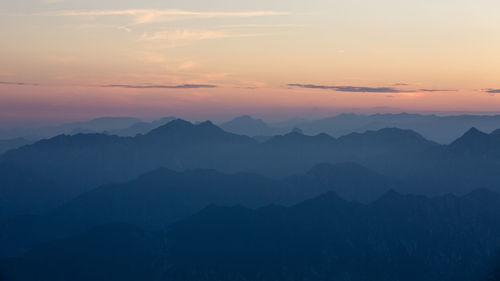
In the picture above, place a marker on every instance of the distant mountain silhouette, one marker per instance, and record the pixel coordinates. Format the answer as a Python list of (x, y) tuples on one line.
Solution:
[(478, 143), (84, 161), (246, 125), (180, 131), (383, 137), (88, 160), (398, 237), (98, 125), (442, 129), (103, 123), (141, 127)]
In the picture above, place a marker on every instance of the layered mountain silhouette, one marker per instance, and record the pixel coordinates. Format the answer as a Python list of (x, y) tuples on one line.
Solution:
[(87, 160), (442, 129), (141, 127), (84, 161), (398, 237), (174, 200), (98, 125), (162, 197)]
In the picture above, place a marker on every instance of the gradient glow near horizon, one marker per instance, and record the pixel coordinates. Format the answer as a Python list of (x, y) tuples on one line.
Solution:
[(80, 59)]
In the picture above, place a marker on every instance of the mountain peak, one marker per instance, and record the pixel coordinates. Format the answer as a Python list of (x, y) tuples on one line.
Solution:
[(472, 137), (244, 119), (207, 124), (177, 124), (182, 131), (247, 125), (180, 126), (387, 136), (474, 132)]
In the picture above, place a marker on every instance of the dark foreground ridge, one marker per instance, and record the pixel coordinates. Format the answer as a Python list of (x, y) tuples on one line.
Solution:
[(163, 196), (398, 237)]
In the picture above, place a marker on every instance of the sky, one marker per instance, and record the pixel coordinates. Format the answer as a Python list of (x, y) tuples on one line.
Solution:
[(79, 59)]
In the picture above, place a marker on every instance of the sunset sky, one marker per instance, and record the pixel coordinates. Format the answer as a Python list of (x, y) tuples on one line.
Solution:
[(79, 59)]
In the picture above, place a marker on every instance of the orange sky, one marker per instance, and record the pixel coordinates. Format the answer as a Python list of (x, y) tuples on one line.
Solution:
[(59, 57)]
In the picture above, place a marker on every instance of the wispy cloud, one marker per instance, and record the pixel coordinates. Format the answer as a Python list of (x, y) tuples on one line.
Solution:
[(144, 16), (191, 35), (358, 89), (259, 25), (183, 86), (353, 89), (492, 91), (437, 90), (18, 83)]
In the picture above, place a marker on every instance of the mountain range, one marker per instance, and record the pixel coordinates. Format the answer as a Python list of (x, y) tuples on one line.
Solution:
[(97, 125), (161, 197), (84, 161), (173, 200), (441, 129), (397, 237)]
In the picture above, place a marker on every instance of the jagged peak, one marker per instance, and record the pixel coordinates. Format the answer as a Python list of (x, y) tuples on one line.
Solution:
[(182, 130)]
